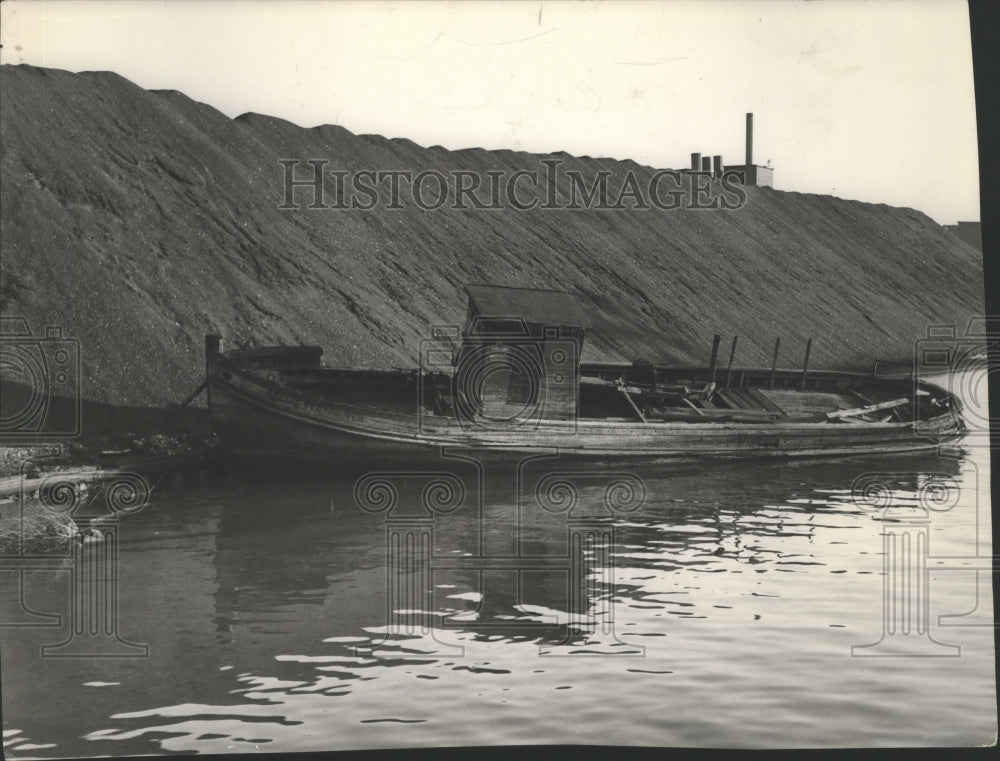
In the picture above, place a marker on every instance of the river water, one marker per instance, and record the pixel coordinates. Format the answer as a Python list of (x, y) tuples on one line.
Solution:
[(733, 605)]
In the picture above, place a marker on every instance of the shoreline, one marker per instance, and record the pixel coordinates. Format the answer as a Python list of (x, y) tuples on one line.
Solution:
[(188, 439)]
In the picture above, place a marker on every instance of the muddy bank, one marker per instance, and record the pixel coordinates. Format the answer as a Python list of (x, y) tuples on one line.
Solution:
[(56, 494)]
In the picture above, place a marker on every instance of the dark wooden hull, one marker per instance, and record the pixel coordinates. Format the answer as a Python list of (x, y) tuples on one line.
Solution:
[(254, 415)]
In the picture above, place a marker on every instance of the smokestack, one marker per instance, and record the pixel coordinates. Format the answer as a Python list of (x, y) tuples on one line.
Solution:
[(695, 162), (749, 139), (706, 163), (717, 166)]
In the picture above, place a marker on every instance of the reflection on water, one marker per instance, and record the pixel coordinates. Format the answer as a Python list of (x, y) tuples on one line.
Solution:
[(722, 606)]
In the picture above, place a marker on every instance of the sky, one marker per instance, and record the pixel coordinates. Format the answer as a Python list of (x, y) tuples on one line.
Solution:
[(872, 101)]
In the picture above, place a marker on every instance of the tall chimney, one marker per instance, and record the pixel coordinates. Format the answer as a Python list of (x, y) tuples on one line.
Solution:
[(717, 166), (706, 163), (695, 162), (749, 139)]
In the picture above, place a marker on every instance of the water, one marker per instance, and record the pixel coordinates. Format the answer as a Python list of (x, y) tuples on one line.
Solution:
[(725, 615)]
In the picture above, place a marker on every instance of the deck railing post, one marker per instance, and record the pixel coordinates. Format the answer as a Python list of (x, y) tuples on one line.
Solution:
[(774, 362), (805, 364), (729, 369), (715, 357)]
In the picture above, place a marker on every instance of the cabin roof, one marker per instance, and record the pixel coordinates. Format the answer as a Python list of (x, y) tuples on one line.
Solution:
[(533, 305)]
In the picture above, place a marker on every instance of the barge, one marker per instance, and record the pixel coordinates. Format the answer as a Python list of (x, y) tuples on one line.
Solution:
[(511, 382)]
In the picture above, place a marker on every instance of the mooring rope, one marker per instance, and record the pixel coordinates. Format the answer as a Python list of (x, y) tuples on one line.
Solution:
[(194, 395)]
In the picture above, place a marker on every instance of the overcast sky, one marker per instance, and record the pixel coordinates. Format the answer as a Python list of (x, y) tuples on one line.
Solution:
[(872, 101)]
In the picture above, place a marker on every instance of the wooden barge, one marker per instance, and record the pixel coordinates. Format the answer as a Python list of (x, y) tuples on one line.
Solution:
[(511, 382)]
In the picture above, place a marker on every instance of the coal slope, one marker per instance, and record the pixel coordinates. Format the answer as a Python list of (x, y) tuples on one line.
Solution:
[(140, 220)]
